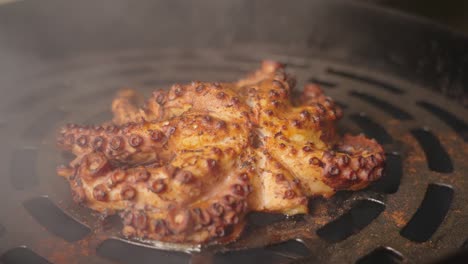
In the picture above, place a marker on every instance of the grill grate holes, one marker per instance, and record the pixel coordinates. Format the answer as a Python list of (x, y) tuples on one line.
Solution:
[(437, 157), (122, 252), (264, 219), (341, 104), (390, 182), (381, 255), (430, 213), (357, 218), (291, 248), (23, 169), (22, 255), (366, 79), (371, 128), (390, 109), (297, 65), (322, 83), (457, 124), (54, 219)]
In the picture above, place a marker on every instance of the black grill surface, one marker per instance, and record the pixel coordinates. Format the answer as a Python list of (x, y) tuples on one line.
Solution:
[(416, 213)]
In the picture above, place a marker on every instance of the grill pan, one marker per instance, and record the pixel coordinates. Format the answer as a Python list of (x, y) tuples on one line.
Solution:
[(400, 80)]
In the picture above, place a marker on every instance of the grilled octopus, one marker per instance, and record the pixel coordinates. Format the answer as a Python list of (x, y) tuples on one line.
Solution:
[(188, 165)]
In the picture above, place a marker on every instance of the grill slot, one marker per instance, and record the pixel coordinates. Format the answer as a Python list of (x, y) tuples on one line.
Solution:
[(322, 83), (264, 219), (390, 182), (291, 248), (371, 128), (430, 213), (23, 169), (123, 252), (437, 157), (381, 255), (457, 124), (55, 220), (341, 104), (358, 217), (390, 109), (22, 255), (366, 79)]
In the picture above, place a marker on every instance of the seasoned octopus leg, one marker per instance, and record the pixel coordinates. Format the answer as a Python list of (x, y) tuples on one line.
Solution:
[(149, 142), (218, 100), (218, 214), (192, 180)]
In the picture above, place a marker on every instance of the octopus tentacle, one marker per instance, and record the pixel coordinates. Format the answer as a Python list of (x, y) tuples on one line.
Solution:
[(213, 216), (210, 98), (152, 141), (99, 185), (355, 162)]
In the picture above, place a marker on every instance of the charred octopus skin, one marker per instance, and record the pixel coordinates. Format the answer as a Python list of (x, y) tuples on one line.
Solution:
[(195, 159)]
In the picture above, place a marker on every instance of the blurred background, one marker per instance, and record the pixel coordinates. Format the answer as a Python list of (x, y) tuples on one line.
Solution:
[(453, 13)]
